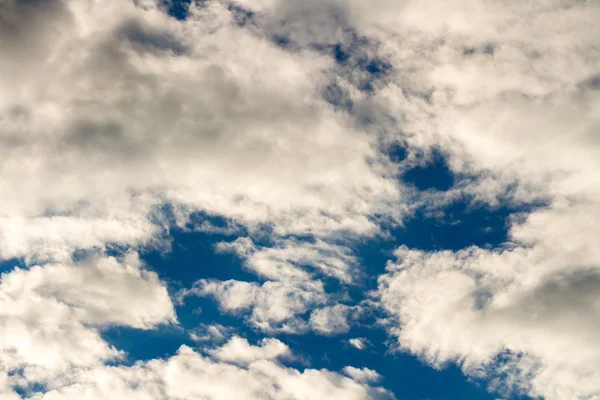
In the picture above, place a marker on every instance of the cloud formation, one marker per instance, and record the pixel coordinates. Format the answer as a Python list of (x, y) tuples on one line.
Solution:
[(190, 375), (52, 315), (135, 109), (278, 115)]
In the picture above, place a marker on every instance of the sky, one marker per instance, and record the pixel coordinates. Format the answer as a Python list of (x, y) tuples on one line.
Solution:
[(284, 200)]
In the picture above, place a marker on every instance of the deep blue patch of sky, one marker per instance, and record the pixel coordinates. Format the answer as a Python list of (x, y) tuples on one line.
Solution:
[(435, 174), (30, 389), (142, 344), (10, 264), (179, 8)]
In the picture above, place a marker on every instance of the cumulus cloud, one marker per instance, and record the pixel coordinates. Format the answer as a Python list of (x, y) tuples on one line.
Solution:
[(508, 105), (114, 108), (190, 375), (478, 307), (294, 287), (51, 315), (239, 351), (508, 92), (135, 108)]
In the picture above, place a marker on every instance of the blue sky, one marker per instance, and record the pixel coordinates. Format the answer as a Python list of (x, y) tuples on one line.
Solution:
[(283, 200)]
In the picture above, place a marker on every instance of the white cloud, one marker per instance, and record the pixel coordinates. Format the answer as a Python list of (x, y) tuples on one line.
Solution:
[(508, 92), (331, 320), (51, 321), (271, 306), (189, 375), (51, 315), (114, 109), (362, 374), (359, 343), (6, 390), (294, 288), (287, 260), (239, 351), (475, 305), (213, 333), (135, 108)]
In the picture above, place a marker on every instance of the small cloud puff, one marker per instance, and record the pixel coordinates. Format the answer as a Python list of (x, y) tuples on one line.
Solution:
[(362, 374), (359, 343)]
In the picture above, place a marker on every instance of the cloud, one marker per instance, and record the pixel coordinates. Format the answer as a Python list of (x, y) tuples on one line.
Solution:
[(52, 315), (190, 375), (478, 307), (507, 92), (362, 374), (270, 306), (359, 343), (239, 351), (213, 333), (136, 109), (292, 260), (294, 269), (331, 320)]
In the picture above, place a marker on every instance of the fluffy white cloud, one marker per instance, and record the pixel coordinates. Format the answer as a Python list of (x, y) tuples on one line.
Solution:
[(271, 306), (110, 108), (510, 102), (189, 375), (294, 289), (239, 351), (6, 387), (134, 108), (50, 315), (477, 307)]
